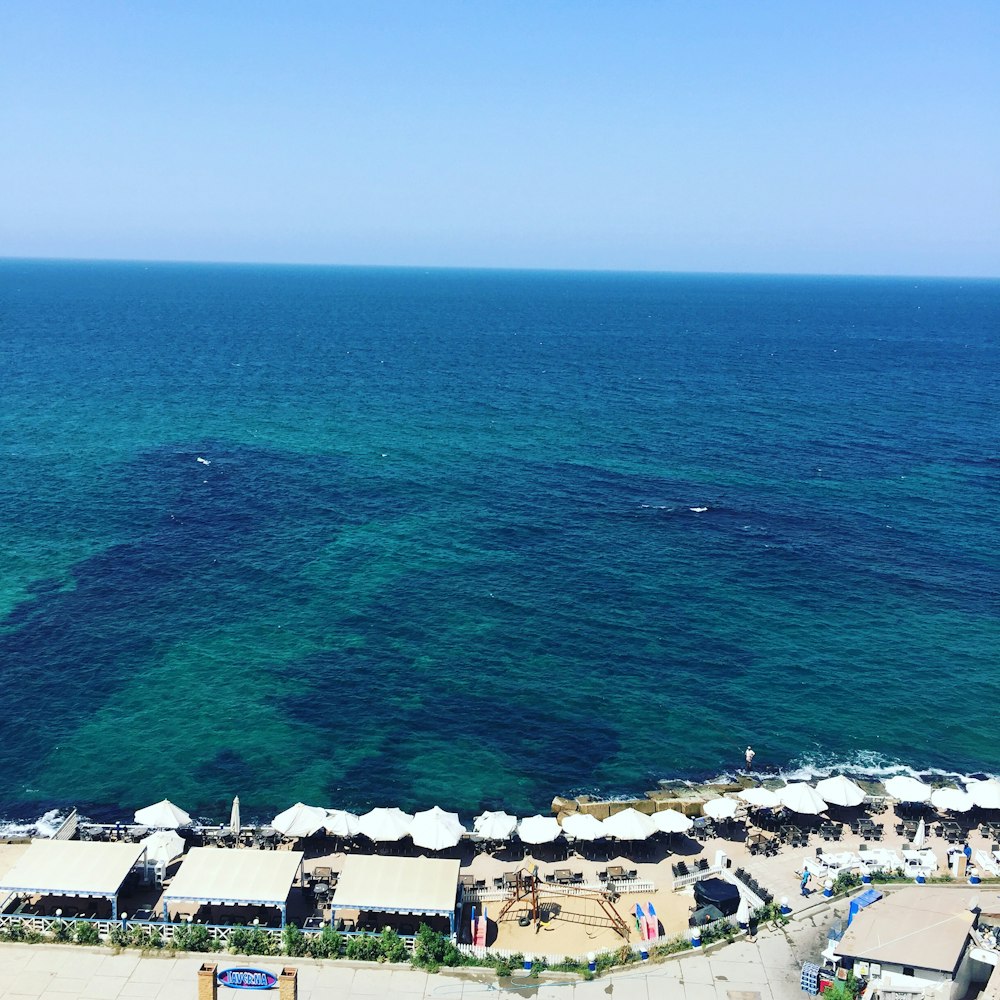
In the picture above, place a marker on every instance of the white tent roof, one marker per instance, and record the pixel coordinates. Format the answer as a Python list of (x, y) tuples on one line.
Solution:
[(244, 876), (841, 791), (985, 794), (672, 821), (583, 826), (435, 829), (764, 798), (721, 808), (539, 829), (908, 789), (163, 846), (951, 800), (300, 820), (802, 798), (629, 824), (383, 823), (341, 823), (71, 868), (495, 825), (163, 814), (398, 885)]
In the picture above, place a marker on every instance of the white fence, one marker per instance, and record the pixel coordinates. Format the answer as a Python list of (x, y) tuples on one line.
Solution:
[(619, 886)]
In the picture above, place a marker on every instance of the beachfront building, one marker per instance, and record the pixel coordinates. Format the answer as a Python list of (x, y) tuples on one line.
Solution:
[(375, 892), (916, 941), (233, 886)]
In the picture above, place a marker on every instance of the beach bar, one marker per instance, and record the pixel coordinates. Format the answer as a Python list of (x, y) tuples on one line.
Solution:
[(72, 868), (209, 876), (419, 887)]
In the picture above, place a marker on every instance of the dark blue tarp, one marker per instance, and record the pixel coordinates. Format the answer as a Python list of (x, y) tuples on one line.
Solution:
[(859, 902)]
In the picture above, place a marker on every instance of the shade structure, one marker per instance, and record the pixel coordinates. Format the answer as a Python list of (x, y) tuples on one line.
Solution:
[(985, 794), (162, 815), (163, 846), (436, 829), (583, 826), (762, 798), (907, 789), (841, 791), (951, 800), (919, 836), (539, 829), (299, 820), (340, 823), (721, 808), (385, 824), (234, 817), (743, 912), (802, 798), (630, 824), (671, 821), (495, 825)]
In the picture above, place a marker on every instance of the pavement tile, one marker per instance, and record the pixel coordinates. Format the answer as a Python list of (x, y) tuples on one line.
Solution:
[(750, 973), (32, 982), (700, 991), (152, 970), (119, 965), (696, 969), (103, 988), (408, 981), (65, 984)]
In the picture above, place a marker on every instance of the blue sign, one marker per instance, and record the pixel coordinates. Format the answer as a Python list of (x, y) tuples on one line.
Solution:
[(247, 979)]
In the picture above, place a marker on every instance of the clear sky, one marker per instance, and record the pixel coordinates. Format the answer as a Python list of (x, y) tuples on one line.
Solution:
[(775, 136)]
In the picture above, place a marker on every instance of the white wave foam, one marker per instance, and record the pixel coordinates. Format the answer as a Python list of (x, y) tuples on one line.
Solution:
[(45, 826), (697, 510)]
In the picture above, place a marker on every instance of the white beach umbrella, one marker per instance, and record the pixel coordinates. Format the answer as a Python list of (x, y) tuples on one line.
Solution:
[(340, 823), (840, 791), (583, 826), (629, 824), (919, 836), (985, 794), (234, 817), (762, 798), (802, 798), (539, 829), (907, 789), (163, 846), (299, 820), (671, 821), (951, 800), (436, 829), (163, 815), (495, 825), (385, 824), (721, 808), (743, 911)]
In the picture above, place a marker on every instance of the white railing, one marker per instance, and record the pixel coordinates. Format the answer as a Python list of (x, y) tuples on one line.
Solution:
[(620, 886), (682, 880)]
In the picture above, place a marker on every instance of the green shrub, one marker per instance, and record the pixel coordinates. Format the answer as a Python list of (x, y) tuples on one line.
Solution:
[(364, 948), (118, 936), (87, 933), (328, 944), (392, 947), (193, 937), (293, 941), (672, 947), (846, 881), (146, 938), (238, 941), (62, 931)]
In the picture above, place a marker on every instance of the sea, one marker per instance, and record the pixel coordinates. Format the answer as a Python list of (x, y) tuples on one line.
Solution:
[(378, 536)]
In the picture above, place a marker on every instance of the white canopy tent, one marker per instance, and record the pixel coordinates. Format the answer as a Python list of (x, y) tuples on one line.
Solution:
[(802, 798), (163, 846), (907, 789), (300, 820), (385, 824), (539, 829), (435, 829), (841, 791), (629, 824), (985, 794), (721, 808), (672, 821), (495, 825), (162, 815), (583, 826), (340, 823), (951, 800), (418, 886), (242, 877), (762, 798), (73, 868)]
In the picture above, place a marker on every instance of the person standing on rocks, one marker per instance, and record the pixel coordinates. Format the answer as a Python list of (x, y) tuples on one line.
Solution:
[(750, 756)]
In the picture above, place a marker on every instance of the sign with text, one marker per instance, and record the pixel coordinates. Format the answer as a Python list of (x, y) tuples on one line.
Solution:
[(248, 979)]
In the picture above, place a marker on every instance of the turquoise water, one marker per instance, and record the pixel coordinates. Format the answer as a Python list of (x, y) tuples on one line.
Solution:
[(450, 546)]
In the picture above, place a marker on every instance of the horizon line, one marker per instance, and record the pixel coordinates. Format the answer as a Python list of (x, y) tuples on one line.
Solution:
[(494, 268)]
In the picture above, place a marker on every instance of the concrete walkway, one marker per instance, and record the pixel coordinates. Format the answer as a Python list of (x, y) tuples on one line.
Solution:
[(764, 969)]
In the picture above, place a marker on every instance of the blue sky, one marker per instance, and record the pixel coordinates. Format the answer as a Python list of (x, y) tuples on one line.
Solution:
[(829, 137)]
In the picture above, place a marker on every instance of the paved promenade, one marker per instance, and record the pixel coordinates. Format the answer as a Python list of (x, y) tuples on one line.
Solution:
[(764, 969)]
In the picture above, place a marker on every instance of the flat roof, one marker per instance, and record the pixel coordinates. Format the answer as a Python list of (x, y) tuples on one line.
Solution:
[(398, 885), (71, 868), (235, 875), (920, 927)]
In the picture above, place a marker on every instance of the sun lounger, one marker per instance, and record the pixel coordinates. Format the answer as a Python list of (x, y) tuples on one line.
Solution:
[(987, 862)]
